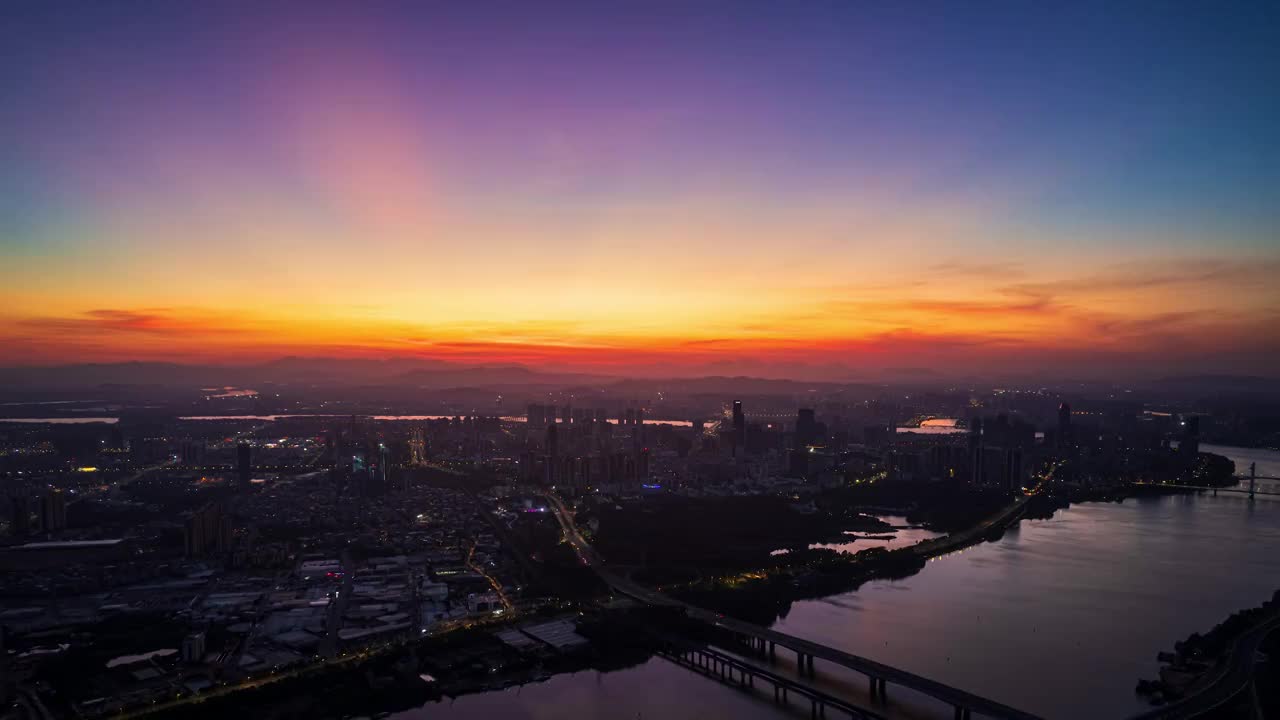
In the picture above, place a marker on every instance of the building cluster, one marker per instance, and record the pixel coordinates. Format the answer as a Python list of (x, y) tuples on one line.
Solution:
[(247, 546)]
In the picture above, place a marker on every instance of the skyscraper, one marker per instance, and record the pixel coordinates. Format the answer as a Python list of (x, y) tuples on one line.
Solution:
[(806, 428), (192, 453), (553, 453), (19, 515), (53, 511), (977, 452), (244, 466), (739, 429), (207, 531)]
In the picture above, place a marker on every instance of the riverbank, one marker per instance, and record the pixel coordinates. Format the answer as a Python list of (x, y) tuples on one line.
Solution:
[(416, 674), (1201, 665), (764, 595)]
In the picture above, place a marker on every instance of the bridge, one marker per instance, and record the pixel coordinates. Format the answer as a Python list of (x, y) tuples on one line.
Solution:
[(735, 672), (1252, 491), (765, 642)]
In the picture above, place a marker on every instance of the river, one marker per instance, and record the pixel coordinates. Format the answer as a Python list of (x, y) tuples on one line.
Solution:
[(1060, 617)]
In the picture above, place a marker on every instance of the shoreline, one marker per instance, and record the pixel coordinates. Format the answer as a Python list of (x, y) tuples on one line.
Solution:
[(843, 572)]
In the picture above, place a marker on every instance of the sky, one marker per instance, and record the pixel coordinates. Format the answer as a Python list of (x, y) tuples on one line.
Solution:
[(823, 189)]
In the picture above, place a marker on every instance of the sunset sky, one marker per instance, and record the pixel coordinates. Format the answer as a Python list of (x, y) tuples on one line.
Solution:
[(811, 187)]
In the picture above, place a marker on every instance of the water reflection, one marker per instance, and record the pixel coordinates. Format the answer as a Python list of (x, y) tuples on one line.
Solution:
[(1062, 616), (656, 690)]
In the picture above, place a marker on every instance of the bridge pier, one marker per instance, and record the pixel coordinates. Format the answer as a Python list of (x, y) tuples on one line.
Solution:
[(962, 713), (773, 651)]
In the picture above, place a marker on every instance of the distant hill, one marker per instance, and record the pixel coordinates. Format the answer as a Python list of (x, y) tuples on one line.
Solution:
[(289, 371), (1218, 384)]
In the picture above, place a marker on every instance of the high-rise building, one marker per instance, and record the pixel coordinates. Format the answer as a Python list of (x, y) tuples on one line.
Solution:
[(1064, 424), (977, 452), (19, 515), (553, 454), (739, 435), (244, 466), (192, 453), (53, 511), (207, 531), (193, 648), (806, 428), (1013, 469)]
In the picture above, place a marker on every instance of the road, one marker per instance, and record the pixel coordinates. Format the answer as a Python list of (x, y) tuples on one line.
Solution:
[(338, 608), (964, 538), (493, 582)]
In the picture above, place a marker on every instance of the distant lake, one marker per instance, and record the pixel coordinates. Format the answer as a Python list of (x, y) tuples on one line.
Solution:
[(392, 418), (62, 421), (273, 418)]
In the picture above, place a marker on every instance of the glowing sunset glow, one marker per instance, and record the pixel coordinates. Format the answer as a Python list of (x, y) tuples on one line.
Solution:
[(664, 190)]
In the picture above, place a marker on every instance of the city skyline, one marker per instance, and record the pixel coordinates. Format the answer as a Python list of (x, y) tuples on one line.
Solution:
[(825, 191)]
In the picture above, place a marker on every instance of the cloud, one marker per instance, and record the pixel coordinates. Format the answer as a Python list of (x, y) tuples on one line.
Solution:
[(953, 314), (1133, 276), (966, 268), (109, 320)]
